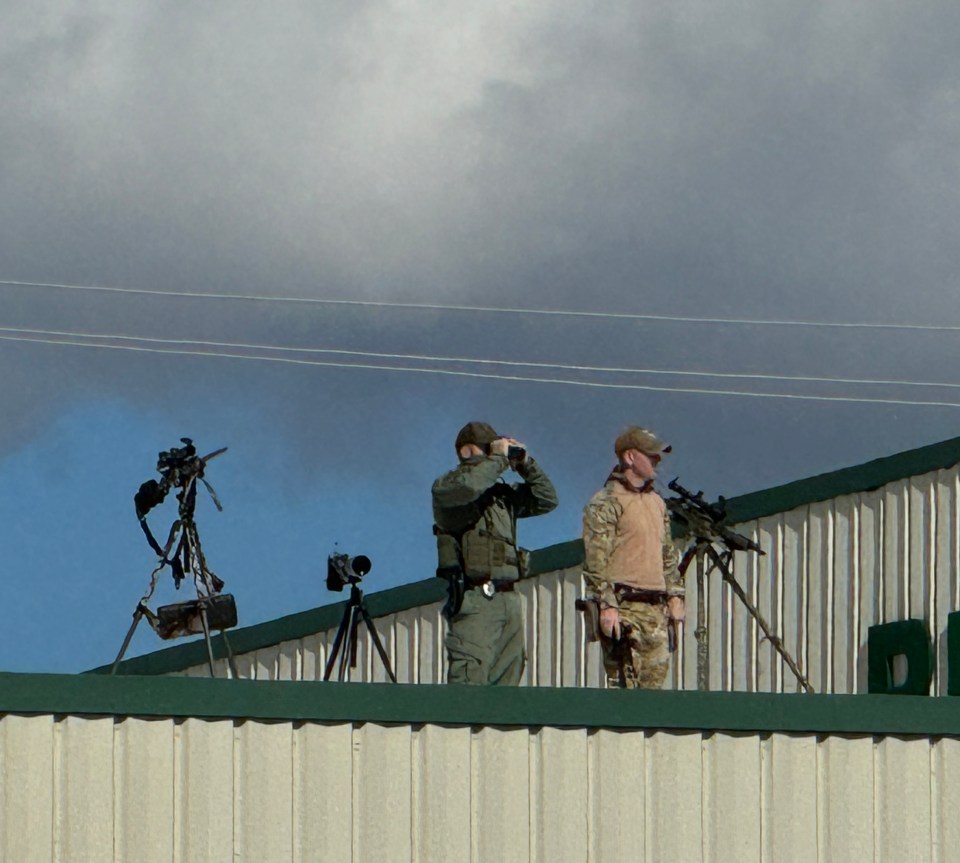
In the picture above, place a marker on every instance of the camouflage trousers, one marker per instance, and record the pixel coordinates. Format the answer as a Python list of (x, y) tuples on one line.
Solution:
[(642, 653), (485, 640)]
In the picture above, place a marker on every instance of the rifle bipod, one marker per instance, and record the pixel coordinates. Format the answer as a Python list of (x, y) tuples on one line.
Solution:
[(345, 642), (704, 548)]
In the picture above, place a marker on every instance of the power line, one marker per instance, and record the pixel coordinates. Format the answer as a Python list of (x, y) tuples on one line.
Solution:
[(479, 361), (444, 307), (466, 374)]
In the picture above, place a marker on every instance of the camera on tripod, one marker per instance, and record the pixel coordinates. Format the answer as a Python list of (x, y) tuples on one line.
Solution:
[(343, 570)]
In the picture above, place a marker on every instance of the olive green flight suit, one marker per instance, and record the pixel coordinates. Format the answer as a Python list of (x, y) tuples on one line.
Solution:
[(472, 505)]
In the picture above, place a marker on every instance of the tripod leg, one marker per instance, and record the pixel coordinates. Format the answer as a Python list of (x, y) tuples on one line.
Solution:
[(349, 658), (377, 643), (721, 564), (206, 636), (231, 664), (126, 642), (337, 643), (703, 644)]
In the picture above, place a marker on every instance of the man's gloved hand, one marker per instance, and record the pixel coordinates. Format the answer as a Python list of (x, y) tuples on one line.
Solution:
[(503, 445)]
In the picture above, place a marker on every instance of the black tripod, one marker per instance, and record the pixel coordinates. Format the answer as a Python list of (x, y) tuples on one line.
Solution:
[(181, 468), (355, 610)]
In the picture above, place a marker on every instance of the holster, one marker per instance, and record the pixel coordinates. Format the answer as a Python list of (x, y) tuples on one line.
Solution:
[(591, 617), (456, 588)]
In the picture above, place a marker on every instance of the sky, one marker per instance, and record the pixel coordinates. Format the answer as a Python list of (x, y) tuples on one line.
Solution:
[(706, 195)]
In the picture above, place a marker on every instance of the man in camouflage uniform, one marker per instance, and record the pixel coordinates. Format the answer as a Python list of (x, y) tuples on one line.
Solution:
[(630, 565), (475, 516)]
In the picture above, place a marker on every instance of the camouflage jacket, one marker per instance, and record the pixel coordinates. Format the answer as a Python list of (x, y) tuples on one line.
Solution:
[(608, 535), (473, 492)]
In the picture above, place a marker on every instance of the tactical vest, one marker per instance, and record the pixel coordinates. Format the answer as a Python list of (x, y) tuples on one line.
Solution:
[(479, 550)]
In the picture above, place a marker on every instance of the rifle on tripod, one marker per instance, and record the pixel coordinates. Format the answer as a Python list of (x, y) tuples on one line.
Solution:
[(181, 468), (706, 524)]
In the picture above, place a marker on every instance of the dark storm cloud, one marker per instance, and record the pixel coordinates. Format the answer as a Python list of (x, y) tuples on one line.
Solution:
[(751, 147), (703, 155), (731, 159)]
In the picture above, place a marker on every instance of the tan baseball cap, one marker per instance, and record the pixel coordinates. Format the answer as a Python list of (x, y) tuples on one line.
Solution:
[(642, 439)]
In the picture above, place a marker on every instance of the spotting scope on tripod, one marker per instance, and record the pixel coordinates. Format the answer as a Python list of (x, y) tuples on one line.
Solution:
[(344, 571)]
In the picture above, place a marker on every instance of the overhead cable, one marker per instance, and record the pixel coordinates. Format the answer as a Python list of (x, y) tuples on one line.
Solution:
[(485, 375), (477, 361), (449, 307)]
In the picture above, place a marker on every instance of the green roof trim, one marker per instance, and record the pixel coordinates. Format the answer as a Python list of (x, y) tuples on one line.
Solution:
[(564, 555), (850, 480), (466, 705), (553, 558)]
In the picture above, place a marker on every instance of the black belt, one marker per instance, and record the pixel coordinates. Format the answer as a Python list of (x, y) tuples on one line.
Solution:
[(498, 586), (629, 593)]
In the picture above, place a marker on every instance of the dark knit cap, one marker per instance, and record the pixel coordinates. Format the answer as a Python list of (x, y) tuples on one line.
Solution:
[(481, 434)]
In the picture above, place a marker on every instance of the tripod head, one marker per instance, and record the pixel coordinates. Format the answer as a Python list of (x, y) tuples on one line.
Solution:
[(180, 468), (343, 570), (706, 522)]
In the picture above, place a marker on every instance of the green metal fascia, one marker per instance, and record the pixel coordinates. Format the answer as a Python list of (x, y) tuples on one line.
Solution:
[(181, 697), (565, 555), (851, 480)]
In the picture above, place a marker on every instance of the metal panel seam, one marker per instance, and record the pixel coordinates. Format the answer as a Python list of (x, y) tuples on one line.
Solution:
[(855, 575)]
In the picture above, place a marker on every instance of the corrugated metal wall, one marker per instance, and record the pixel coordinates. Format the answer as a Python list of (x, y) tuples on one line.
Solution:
[(95, 790), (557, 651), (832, 569)]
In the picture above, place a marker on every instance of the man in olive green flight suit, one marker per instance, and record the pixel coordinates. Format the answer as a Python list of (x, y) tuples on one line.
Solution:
[(475, 514)]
